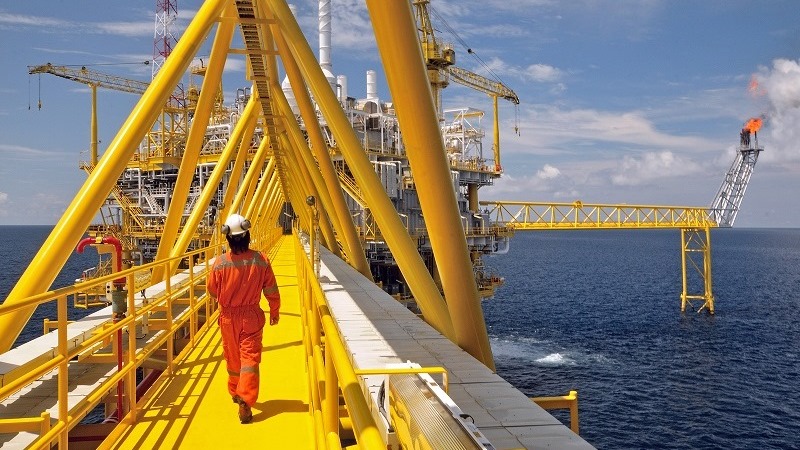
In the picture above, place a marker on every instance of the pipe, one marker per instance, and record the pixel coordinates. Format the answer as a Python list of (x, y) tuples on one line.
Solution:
[(110, 240)]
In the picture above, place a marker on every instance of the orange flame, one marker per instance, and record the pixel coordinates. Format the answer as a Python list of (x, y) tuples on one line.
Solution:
[(753, 125), (753, 88)]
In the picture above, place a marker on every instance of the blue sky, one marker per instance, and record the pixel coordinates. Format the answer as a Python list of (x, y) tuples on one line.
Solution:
[(622, 101)]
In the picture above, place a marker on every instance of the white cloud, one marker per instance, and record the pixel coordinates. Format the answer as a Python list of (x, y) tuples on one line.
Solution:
[(548, 172), (546, 182), (781, 84), (127, 29), (22, 152), (3, 198), (652, 166), (27, 20), (136, 28), (572, 129), (543, 73), (540, 73)]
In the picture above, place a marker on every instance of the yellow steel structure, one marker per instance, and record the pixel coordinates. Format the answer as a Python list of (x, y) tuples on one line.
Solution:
[(328, 405), (298, 176), (417, 115), (695, 224)]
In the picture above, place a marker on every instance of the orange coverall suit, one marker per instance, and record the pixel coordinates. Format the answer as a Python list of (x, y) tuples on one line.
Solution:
[(237, 282)]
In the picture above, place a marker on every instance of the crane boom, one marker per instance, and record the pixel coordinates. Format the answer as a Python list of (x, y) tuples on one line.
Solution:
[(92, 78), (480, 83)]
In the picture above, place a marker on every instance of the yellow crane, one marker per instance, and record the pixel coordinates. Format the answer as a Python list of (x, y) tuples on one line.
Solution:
[(440, 60), (93, 79)]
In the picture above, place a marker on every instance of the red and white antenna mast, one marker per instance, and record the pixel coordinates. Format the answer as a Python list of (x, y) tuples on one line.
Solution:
[(164, 39)]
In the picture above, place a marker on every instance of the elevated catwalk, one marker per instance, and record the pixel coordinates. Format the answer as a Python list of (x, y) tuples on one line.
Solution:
[(192, 408)]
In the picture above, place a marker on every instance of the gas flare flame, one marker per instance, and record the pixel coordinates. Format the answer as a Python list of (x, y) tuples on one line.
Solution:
[(753, 125)]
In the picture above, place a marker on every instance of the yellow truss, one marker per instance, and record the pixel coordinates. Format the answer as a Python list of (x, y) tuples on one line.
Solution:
[(695, 224)]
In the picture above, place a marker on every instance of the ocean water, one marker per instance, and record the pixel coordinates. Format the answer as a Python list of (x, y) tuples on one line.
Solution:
[(17, 248), (599, 311)]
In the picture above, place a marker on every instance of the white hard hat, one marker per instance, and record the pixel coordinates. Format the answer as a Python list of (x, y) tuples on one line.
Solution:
[(235, 225)]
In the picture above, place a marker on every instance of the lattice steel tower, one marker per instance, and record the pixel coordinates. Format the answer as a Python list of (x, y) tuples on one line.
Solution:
[(726, 204)]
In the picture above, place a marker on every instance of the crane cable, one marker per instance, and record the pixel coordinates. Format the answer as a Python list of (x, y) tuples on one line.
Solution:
[(477, 58)]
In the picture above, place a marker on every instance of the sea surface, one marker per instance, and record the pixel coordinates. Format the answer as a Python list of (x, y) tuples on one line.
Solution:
[(599, 312), (17, 248)]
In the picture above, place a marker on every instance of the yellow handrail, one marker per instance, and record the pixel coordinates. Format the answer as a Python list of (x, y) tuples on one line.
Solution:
[(132, 359), (336, 366), (569, 401)]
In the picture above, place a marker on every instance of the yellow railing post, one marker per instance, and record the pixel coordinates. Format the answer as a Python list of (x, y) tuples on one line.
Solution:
[(168, 313), (192, 312), (569, 401), (330, 402), (63, 373), (130, 362)]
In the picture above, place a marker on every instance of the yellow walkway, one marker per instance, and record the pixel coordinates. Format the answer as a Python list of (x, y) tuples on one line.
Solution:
[(193, 409)]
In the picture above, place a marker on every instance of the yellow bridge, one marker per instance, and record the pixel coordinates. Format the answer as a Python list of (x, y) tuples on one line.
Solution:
[(341, 354), (694, 223)]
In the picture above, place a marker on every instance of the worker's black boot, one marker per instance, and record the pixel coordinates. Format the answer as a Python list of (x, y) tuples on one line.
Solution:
[(245, 414)]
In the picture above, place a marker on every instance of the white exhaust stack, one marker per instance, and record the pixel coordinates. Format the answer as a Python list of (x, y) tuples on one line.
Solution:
[(341, 82), (372, 85), (325, 42)]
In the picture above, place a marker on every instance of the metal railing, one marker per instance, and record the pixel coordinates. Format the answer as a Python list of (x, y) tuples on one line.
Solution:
[(331, 369), (129, 358), (329, 365)]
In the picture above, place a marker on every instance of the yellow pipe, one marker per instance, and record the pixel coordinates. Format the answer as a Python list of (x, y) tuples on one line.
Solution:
[(303, 173), (210, 189), (395, 34), (569, 401), (256, 206), (311, 171), (403, 248), (247, 205), (270, 198), (347, 229), (234, 186), (63, 370), (307, 167), (194, 140), (57, 248), (363, 423), (249, 181)]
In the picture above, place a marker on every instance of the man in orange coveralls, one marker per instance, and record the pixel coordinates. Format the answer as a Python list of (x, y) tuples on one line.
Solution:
[(237, 280)]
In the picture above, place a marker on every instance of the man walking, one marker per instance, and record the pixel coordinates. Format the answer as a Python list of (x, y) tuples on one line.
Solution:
[(237, 280)]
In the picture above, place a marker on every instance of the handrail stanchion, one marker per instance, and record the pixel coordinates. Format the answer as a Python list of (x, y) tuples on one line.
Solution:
[(131, 353), (192, 312), (169, 330), (63, 373)]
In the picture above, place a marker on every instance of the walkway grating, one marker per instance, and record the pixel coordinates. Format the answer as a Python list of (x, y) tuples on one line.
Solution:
[(192, 409)]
